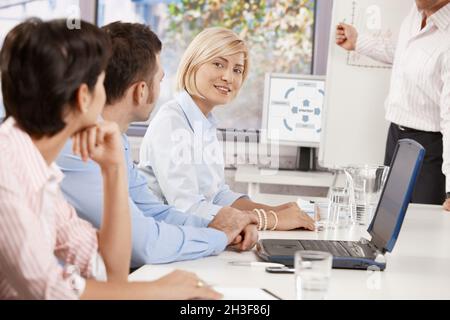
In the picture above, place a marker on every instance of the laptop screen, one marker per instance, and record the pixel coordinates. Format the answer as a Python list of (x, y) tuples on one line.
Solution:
[(396, 195)]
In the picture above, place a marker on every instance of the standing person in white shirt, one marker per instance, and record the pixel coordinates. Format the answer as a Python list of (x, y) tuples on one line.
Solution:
[(418, 104), (181, 154)]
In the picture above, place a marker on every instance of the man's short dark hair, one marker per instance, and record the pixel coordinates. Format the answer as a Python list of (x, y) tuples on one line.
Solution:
[(42, 66), (133, 59)]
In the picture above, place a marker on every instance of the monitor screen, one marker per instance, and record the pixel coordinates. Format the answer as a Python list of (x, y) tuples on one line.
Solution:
[(293, 107), (395, 197)]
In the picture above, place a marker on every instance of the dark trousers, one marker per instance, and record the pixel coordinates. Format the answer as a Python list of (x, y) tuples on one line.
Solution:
[(430, 184)]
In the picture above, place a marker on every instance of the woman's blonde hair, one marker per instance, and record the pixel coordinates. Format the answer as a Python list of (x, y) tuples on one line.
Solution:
[(207, 45)]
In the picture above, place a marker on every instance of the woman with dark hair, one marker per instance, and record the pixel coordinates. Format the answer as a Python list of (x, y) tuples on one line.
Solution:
[(52, 84)]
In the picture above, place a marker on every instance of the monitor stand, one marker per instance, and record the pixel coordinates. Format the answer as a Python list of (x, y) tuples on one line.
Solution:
[(306, 159)]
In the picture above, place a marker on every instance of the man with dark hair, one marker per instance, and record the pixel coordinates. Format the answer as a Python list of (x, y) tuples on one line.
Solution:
[(160, 233), (136, 50)]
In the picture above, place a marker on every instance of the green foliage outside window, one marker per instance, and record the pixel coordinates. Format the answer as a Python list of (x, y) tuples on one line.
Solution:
[(276, 31), (279, 35)]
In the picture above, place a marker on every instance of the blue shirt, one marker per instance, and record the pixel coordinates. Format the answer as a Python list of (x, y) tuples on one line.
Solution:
[(160, 233), (183, 159)]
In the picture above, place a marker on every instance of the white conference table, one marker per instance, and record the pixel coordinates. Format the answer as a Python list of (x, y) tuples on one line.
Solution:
[(418, 267)]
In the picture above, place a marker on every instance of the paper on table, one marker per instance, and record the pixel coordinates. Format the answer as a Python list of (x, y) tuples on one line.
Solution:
[(158, 271), (244, 294), (312, 208), (306, 206)]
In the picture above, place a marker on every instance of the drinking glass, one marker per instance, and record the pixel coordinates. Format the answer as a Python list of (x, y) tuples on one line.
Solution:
[(340, 213), (312, 274)]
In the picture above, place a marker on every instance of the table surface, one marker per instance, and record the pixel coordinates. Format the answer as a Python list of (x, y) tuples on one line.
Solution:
[(418, 267)]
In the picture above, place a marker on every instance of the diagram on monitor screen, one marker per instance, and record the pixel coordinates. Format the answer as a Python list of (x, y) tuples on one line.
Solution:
[(367, 18), (295, 110)]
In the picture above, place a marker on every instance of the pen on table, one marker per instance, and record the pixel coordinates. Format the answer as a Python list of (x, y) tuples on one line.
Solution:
[(255, 264)]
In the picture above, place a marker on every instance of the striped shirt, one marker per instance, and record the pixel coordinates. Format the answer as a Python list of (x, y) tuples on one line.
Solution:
[(41, 237), (419, 95)]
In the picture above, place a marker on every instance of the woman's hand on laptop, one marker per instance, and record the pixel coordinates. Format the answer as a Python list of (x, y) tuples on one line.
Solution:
[(292, 217)]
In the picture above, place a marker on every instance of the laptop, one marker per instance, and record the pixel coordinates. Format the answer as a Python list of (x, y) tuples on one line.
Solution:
[(384, 228)]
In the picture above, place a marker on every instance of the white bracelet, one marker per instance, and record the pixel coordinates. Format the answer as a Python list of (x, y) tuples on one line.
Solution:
[(276, 220), (259, 218), (265, 219)]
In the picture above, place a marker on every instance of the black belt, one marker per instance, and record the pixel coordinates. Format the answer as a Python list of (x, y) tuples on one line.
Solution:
[(406, 129)]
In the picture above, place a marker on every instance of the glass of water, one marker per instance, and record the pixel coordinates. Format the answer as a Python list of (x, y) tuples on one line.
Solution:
[(312, 274), (340, 210)]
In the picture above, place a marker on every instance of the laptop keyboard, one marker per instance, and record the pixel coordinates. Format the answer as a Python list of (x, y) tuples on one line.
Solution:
[(333, 247)]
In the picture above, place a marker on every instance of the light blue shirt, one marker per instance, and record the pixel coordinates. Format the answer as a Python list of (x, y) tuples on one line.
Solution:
[(160, 233), (183, 159)]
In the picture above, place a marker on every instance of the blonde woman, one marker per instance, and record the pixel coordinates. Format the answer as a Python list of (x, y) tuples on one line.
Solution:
[(181, 154)]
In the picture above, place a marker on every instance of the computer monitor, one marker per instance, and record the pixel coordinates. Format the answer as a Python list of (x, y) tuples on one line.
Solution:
[(293, 105)]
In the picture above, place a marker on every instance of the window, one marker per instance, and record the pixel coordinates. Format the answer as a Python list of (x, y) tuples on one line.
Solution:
[(279, 33), (13, 12)]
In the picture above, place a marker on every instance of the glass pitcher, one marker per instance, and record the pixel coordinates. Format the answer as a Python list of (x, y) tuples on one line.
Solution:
[(365, 183)]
